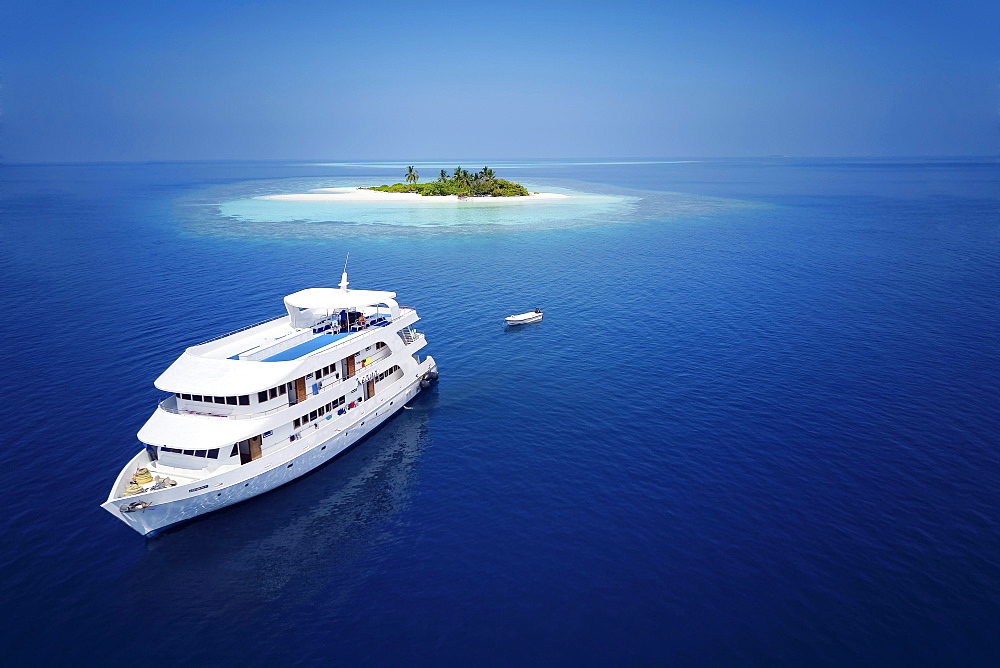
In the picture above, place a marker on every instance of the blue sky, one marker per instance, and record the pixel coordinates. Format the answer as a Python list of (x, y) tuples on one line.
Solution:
[(393, 80)]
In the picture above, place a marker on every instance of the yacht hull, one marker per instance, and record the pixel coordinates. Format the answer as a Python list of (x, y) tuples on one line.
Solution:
[(174, 505)]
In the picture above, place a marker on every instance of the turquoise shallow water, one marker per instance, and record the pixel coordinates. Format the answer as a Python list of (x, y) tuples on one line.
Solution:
[(757, 426), (240, 209), (577, 209)]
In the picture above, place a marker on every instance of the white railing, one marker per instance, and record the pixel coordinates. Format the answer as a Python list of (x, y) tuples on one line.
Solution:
[(169, 405), (280, 347), (402, 313), (241, 329)]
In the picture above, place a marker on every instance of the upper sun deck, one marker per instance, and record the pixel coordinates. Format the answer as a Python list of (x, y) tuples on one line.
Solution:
[(318, 319)]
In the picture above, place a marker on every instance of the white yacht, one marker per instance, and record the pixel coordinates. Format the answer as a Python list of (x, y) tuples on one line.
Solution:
[(256, 408)]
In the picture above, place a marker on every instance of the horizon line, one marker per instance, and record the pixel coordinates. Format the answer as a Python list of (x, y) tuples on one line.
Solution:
[(333, 162)]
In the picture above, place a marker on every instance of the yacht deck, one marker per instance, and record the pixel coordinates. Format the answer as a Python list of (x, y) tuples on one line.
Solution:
[(301, 349)]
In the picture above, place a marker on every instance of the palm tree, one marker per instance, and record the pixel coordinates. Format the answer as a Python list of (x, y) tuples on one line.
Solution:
[(461, 178), (475, 182), (411, 175), (488, 174), (443, 176)]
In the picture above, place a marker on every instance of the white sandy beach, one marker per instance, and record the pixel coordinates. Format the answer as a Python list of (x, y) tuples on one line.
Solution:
[(356, 194)]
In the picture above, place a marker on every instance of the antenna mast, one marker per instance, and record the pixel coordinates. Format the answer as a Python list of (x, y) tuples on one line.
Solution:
[(343, 277)]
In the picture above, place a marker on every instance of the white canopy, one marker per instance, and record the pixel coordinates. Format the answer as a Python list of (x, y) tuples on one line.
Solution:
[(306, 306), (335, 299)]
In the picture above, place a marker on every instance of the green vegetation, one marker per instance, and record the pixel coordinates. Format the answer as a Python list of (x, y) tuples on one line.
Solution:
[(481, 184)]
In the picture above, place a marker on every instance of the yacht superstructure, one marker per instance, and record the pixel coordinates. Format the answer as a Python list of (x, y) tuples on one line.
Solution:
[(258, 407)]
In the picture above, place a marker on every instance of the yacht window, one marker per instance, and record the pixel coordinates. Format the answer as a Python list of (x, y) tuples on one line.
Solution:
[(236, 450), (321, 411), (244, 400), (185, 396), (177, 394), (262, 397), (281, 390), (196, 397), (272, 393), (200, 453), (267, 433), (189, 452), (231, 401), (297, 422), (165, 449), (213, 454), (312, 415), (220, 400)]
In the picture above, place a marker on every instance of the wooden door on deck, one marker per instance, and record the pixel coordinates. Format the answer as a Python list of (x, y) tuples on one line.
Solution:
[(255, 447), (370, 389), (349, 365), (300, 389)]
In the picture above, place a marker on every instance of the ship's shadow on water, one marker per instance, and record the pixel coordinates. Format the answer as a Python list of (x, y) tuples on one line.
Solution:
[(302, 539)]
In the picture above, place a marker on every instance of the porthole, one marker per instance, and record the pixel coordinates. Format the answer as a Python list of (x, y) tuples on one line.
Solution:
[(289, 466), (323, 448), (247, 485)]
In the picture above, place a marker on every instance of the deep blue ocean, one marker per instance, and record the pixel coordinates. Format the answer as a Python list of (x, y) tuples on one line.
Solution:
[(759, 425)]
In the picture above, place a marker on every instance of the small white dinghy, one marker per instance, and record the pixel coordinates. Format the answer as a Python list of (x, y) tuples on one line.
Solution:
[(524, 318)]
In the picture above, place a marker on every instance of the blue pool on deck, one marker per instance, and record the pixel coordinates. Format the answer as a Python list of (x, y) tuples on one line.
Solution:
[(305, 348)]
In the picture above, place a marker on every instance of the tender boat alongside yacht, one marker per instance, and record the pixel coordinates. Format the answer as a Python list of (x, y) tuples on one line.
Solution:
[(259, 407)]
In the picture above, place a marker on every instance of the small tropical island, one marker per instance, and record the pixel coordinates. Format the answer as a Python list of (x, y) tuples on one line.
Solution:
[(481, 188), (461, 183)]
